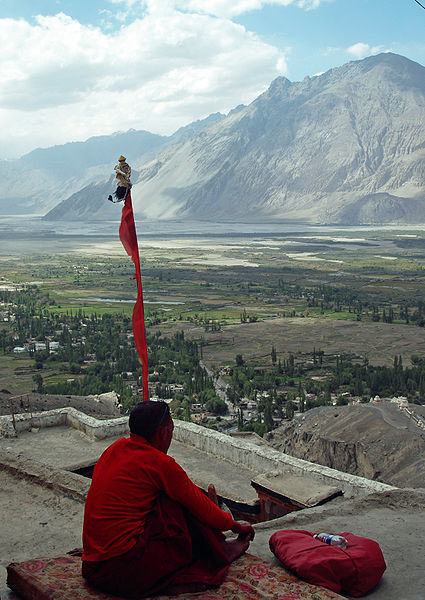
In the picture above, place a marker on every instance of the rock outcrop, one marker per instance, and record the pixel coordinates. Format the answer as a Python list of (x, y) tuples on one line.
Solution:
[(376, 442)]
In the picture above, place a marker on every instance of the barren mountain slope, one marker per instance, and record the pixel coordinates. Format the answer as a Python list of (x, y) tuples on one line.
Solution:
[(373, 441), (346, 146)]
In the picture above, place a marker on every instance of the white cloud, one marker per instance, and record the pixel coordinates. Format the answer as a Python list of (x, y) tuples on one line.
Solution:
[(218, 8), (64, 81), (168, 63), (331, 50), (361, 50)]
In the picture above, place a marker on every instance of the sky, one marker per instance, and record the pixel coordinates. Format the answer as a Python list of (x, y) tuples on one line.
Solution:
[(73, 69)]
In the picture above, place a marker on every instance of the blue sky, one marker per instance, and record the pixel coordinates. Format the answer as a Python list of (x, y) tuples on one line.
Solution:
[(72, 69)]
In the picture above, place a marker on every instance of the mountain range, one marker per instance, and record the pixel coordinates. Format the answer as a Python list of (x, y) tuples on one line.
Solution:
[(346, 146), (45, 177)]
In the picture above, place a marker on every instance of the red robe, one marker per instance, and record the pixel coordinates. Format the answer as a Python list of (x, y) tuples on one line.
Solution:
[(146, 524)]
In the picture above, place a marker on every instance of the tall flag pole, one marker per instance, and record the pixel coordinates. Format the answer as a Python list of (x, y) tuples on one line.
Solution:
[(128, 237)]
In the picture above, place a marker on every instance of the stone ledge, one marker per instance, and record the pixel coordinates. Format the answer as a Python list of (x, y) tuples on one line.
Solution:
[(95, 429), (261, 459), (266, 459), (67, 483)]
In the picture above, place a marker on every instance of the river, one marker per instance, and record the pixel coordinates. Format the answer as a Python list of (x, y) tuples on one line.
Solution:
[(20, 235)]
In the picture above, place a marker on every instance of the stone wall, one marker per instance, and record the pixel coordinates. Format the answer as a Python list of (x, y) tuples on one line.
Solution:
[(97, 429), (94, 428), (263, 459), (259, 459)]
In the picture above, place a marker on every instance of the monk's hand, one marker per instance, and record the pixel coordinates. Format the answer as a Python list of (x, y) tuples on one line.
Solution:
[(244, 529)]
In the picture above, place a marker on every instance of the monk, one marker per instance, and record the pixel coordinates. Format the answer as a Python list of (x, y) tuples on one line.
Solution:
[(147, 528)]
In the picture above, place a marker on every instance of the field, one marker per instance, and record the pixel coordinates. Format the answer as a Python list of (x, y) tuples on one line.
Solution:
[(356, 292), (378, 342)]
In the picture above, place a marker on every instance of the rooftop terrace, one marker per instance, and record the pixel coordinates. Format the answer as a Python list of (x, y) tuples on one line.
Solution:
[(41, 500)]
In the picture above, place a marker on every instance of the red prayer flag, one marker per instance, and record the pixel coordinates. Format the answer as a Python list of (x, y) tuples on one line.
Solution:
[(128, 238)]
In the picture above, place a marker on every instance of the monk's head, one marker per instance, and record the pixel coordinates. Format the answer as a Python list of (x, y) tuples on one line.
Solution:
[(152, 420)]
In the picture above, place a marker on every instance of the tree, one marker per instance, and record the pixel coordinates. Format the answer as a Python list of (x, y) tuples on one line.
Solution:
[(290, 409), (239, 360), (38, 380), (301, 396), (240, 419), (3, 340), (186, 414), (273, 355), (259, 428), (216, 406), (268, 415)]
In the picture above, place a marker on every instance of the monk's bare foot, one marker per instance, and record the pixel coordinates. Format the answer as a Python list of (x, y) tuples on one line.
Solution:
[(212, 494), (237, 547)]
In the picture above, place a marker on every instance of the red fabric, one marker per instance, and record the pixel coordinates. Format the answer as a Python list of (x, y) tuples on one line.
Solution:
[(127, 480), (128, 238), (175, 549), (353, 571)]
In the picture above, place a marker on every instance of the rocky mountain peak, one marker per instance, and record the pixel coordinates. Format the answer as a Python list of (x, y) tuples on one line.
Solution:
[(346, 146)]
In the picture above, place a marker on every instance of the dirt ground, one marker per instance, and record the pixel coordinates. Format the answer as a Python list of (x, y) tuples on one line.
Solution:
[(376, 441), (393, 519), (40, 522), (36, 521)]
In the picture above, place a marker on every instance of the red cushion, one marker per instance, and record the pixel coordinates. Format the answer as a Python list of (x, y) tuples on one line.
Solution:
[(353, 571), (249, 578)]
